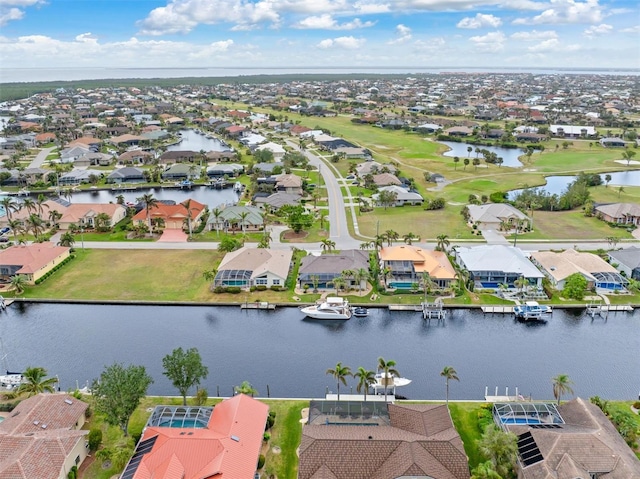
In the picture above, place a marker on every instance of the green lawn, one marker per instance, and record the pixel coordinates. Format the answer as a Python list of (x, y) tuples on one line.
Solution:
[(465, 420)]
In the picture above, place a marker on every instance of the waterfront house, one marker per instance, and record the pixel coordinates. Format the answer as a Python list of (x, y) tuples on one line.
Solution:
[(178, 156), (559, 266), (135, 157), (181, 171), (277, 150), (406, 264), (364, 440), (220, 170), (403, 196), (492, 265), (128, 174), (173, 216), (620, 213), (30, 261), (496, 216), (582, 443), (43, 438), (179, 442), (237, 218), (289, 183), (627, 261), (77, 177), (327, 267), (248, 267)]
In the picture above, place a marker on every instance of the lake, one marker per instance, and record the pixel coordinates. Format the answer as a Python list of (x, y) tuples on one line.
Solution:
[(291, 354), (509, 155), (557, 184), (192, 141)]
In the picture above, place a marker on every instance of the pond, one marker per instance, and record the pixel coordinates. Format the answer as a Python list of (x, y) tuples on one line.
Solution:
[(557, 184), (193, 141), (290, 354), (509, 155)]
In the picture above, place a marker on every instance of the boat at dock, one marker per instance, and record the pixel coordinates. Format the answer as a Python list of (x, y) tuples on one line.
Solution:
[(389, 382), (532, 311), (11, 380), (360, 312), (330, 308)]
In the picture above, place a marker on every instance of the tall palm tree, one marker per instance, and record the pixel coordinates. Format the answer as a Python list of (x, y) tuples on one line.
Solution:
[(187, 205), (243, 218), (217, 214), (54, 217), (340, 373), (36, 382), (409, 238), (18, 282), (16, 227), (389, 371), (327, 245), (34, 224), (28, 204), (360, 276), (10, 206), (561, 385), (442, 243), (391, 236), (66, 239), (366, 379), (40, 204), (149, 202), (449, 373)]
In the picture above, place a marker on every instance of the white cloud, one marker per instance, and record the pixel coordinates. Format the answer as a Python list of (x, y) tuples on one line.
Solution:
[(9, 15), (567, 11), (404, 35), (492, 42), (596, 30), (327, 22), (479, 21), (635, 29), (552, 45), (346, 43), (534, 35)]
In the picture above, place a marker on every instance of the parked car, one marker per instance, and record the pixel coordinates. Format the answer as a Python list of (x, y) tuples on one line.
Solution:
[(4, 239), (5, 230)]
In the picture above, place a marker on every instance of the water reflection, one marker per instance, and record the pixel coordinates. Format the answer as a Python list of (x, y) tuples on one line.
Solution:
[(509, 155)]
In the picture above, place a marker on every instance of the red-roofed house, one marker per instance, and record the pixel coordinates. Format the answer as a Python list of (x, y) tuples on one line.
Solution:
[(173, 216), (31, 261), (228, 448), (42, 438)]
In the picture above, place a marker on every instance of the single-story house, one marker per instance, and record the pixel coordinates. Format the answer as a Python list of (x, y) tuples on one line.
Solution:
[(559, 266), (127, 139), (267, 168), (136, 156), (128, 174), (612, 142), (373, 167), (428, 128), (93, 159), (178, 156), (174, 216), (582, 443), (492, 265), (325, 268), (25, 177), (221, 170), (277, 150), (621, 213), (627, 261), (252, 140), (277, 200), (30, 261), (71, 154), (221, 155), (351, 152), (181, 171), (248, 267), (403, 196), (43, 438), (76, 177), (226, 442), (289, 183), (238, 217), (496, 216), (458, 131), (386, 179), (573, 131), (405, 441), (407, 264)]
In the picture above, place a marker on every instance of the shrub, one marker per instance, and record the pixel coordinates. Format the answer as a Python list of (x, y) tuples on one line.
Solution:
[(266, 436), (261, 287), (94, 439), (498, 197), (636, 405), (73, 473), (261, 460), (276, 287)]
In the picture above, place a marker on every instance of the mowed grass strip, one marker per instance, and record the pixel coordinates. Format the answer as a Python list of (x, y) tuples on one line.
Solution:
[(136, 275)]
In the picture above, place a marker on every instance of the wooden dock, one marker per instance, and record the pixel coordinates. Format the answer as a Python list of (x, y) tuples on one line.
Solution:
[(405, 307), (603, 310), (497, 309), (433, 310), (258, 305)]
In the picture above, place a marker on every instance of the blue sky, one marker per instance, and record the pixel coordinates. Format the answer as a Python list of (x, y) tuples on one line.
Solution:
[(318, 33)]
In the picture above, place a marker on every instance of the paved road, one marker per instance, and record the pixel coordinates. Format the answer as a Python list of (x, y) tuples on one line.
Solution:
[(40, 158)]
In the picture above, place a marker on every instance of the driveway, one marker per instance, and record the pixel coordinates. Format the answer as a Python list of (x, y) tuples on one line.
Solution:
[(491, 237), (40, 158), (173, 236)]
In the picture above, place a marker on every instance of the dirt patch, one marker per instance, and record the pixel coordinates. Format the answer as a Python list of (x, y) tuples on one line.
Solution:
[(291, 235)]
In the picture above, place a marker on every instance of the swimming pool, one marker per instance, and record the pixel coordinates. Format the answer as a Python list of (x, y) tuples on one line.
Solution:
[(402, 284), (192, 423), (520, 420)]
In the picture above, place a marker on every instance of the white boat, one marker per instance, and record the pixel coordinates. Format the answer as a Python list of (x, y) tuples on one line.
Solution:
[(531, 310), (360, 312), (330, 308), (390, 383), (11, 380)]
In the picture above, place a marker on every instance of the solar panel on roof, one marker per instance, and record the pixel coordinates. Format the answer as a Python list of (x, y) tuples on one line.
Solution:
[(528, 449), (141, 449)]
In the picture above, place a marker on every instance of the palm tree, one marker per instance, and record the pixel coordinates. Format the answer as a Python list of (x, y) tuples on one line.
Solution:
[(245, 388), (409, 238), (360, 276), (66, 239), (366, 379), (389, 371), (469, 150), (149, 202), (10, 206), (443, 243), (456, 160), (19, 282), (187, 205), (340, 373), (36, 382), (243, 217), (338, 282), (348, 275), (210, 275), (327, 245), (620, 190), (561, 385), (54, 217), (449, 373), (500, 448), (35, 224), (466, 161), (521, 283), (607, 179), (16, 227), (391, 236), (28, 204), (217, 214), (628, 156), (40, 204)]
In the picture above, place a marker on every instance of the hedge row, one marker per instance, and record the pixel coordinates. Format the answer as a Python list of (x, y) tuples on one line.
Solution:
[(56, 268)]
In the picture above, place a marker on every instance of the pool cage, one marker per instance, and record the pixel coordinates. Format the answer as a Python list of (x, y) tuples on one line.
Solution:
[(356, 413), (324, 280), (233, 277), (527, 414), (180, 416)]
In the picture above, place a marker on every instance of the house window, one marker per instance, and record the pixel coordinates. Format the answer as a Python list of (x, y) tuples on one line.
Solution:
[(276, 282), (77, 460), (261, 281)]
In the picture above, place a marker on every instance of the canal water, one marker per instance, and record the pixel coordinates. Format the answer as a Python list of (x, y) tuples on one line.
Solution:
[(290, 354), (509, 155), (193, 141)]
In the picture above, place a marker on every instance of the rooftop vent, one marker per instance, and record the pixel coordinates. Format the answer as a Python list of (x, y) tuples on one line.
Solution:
[(44, 426), (235, 438), (68, 401), (35, 423)]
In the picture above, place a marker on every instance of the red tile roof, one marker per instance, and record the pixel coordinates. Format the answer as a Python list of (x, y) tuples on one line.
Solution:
[(228, 448), (31, 257), (178, 211)]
